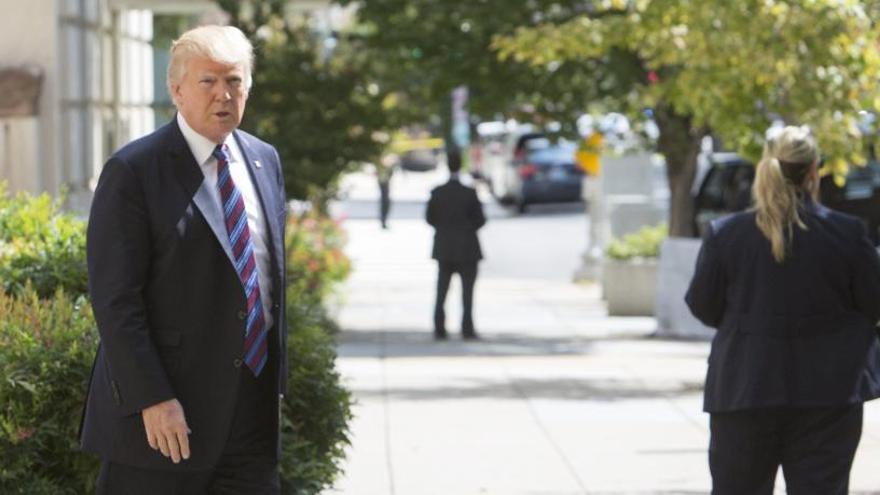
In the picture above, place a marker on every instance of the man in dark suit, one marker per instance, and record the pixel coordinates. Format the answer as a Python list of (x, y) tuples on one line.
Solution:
[(456, 214), (186, 274)]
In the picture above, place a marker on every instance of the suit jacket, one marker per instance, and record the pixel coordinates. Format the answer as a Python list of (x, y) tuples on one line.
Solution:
[(456, 214), (799, 333), (168, 302)]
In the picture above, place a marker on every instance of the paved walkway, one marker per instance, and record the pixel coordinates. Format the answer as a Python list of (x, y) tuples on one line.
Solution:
[(558, 399)]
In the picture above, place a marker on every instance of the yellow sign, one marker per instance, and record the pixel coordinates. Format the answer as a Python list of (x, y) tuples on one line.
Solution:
[(404, 145), (589, 154)]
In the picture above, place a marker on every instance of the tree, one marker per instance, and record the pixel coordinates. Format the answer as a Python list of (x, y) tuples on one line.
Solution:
[(427, 48), (726, 68), (313, 97)]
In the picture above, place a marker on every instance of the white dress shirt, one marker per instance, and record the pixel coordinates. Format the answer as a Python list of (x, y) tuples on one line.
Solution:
[(202, 149)]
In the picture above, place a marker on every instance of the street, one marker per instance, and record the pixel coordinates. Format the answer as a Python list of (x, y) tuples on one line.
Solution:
[(557, 399)]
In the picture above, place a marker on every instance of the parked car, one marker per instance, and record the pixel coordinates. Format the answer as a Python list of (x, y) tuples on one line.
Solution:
[(548, 175), (725, 187), (422, 160), (859, 196), (418, 154), (502, 165), (487, 147)]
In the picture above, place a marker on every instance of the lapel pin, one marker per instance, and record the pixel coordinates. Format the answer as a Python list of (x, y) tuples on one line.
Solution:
[(258, 164)]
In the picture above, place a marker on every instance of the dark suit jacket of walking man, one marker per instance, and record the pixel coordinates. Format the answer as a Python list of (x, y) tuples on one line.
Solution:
[(456, 214), (186, 273)]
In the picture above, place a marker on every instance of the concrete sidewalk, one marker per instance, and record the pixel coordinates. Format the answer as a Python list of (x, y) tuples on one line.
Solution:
[(556, 399)]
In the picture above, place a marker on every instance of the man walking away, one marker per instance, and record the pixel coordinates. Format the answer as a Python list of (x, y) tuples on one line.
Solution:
[(456, 214)]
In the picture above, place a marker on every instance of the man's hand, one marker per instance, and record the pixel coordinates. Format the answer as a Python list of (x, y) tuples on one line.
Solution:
[(167, 430)]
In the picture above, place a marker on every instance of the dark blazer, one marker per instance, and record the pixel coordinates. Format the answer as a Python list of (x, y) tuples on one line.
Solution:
[(800, 333), (168, 302), (456, 213)]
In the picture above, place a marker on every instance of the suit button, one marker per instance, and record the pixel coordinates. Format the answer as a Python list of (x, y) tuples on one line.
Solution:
[(237, 363), (242, 315)]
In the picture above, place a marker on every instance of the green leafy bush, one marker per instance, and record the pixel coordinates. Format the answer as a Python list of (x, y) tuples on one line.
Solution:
[(315, 414), (48, 340), (642, 244), (316, 409), (46, 352), (315, 258), (40, 244)]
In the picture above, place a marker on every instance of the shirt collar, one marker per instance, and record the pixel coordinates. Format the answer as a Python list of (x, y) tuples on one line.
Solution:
[(202, 147)]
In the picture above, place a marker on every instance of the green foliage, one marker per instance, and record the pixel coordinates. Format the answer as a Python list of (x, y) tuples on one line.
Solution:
[(319, 107), (317, 408), (732, 67), (40, 245), (46, 351), (315, 260), (645, 243), (48, 340), (426, 48), (315, 413), (727, 69)]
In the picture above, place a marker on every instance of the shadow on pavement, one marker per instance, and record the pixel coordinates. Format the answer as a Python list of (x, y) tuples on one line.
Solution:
[(393, 344), (420, 343), (563, 388)]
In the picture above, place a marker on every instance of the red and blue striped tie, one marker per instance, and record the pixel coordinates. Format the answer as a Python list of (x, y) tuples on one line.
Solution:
[(255, 342)]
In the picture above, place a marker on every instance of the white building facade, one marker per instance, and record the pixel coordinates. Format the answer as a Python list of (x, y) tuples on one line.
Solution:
[(94, 66), (79, 79)]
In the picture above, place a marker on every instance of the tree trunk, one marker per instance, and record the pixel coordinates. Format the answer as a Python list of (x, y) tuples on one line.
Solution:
[(679, 143)]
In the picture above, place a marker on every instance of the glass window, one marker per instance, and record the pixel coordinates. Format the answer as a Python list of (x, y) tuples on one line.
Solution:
[(73, 62)]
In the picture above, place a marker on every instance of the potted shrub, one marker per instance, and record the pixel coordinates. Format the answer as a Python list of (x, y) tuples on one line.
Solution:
[(629, 272)]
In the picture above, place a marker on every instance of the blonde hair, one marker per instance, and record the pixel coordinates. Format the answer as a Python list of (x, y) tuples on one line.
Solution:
[(782, 179), (223, 44)]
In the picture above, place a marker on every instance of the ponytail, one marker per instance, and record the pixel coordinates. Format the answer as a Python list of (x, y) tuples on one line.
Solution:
[(776, 203)]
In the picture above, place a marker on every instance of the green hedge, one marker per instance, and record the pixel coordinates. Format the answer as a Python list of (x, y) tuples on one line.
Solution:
[(46, 352), (315, 415), (48, 341), (41, 245), (317, 408)]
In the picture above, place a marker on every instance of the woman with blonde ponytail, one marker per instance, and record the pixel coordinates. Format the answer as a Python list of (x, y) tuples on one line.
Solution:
[(793, 289), (785, 177)]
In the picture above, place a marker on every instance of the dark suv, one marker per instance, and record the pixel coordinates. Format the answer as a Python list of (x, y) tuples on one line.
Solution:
[(726, 187)]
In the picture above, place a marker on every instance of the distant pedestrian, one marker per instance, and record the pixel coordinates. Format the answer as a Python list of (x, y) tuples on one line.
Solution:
[(384, 171), (794, 291), (456, 214)]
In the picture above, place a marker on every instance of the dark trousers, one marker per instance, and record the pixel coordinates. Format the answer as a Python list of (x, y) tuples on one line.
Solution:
[(814, 446), (384, 202), (248, 465), (467, 271)]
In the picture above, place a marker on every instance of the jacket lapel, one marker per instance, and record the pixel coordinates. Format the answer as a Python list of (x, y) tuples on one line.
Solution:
[(204, 201), (183, 165), (190, 175)]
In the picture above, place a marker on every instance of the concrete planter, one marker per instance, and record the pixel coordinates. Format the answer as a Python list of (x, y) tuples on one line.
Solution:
[(630, 286), (678, 257)]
